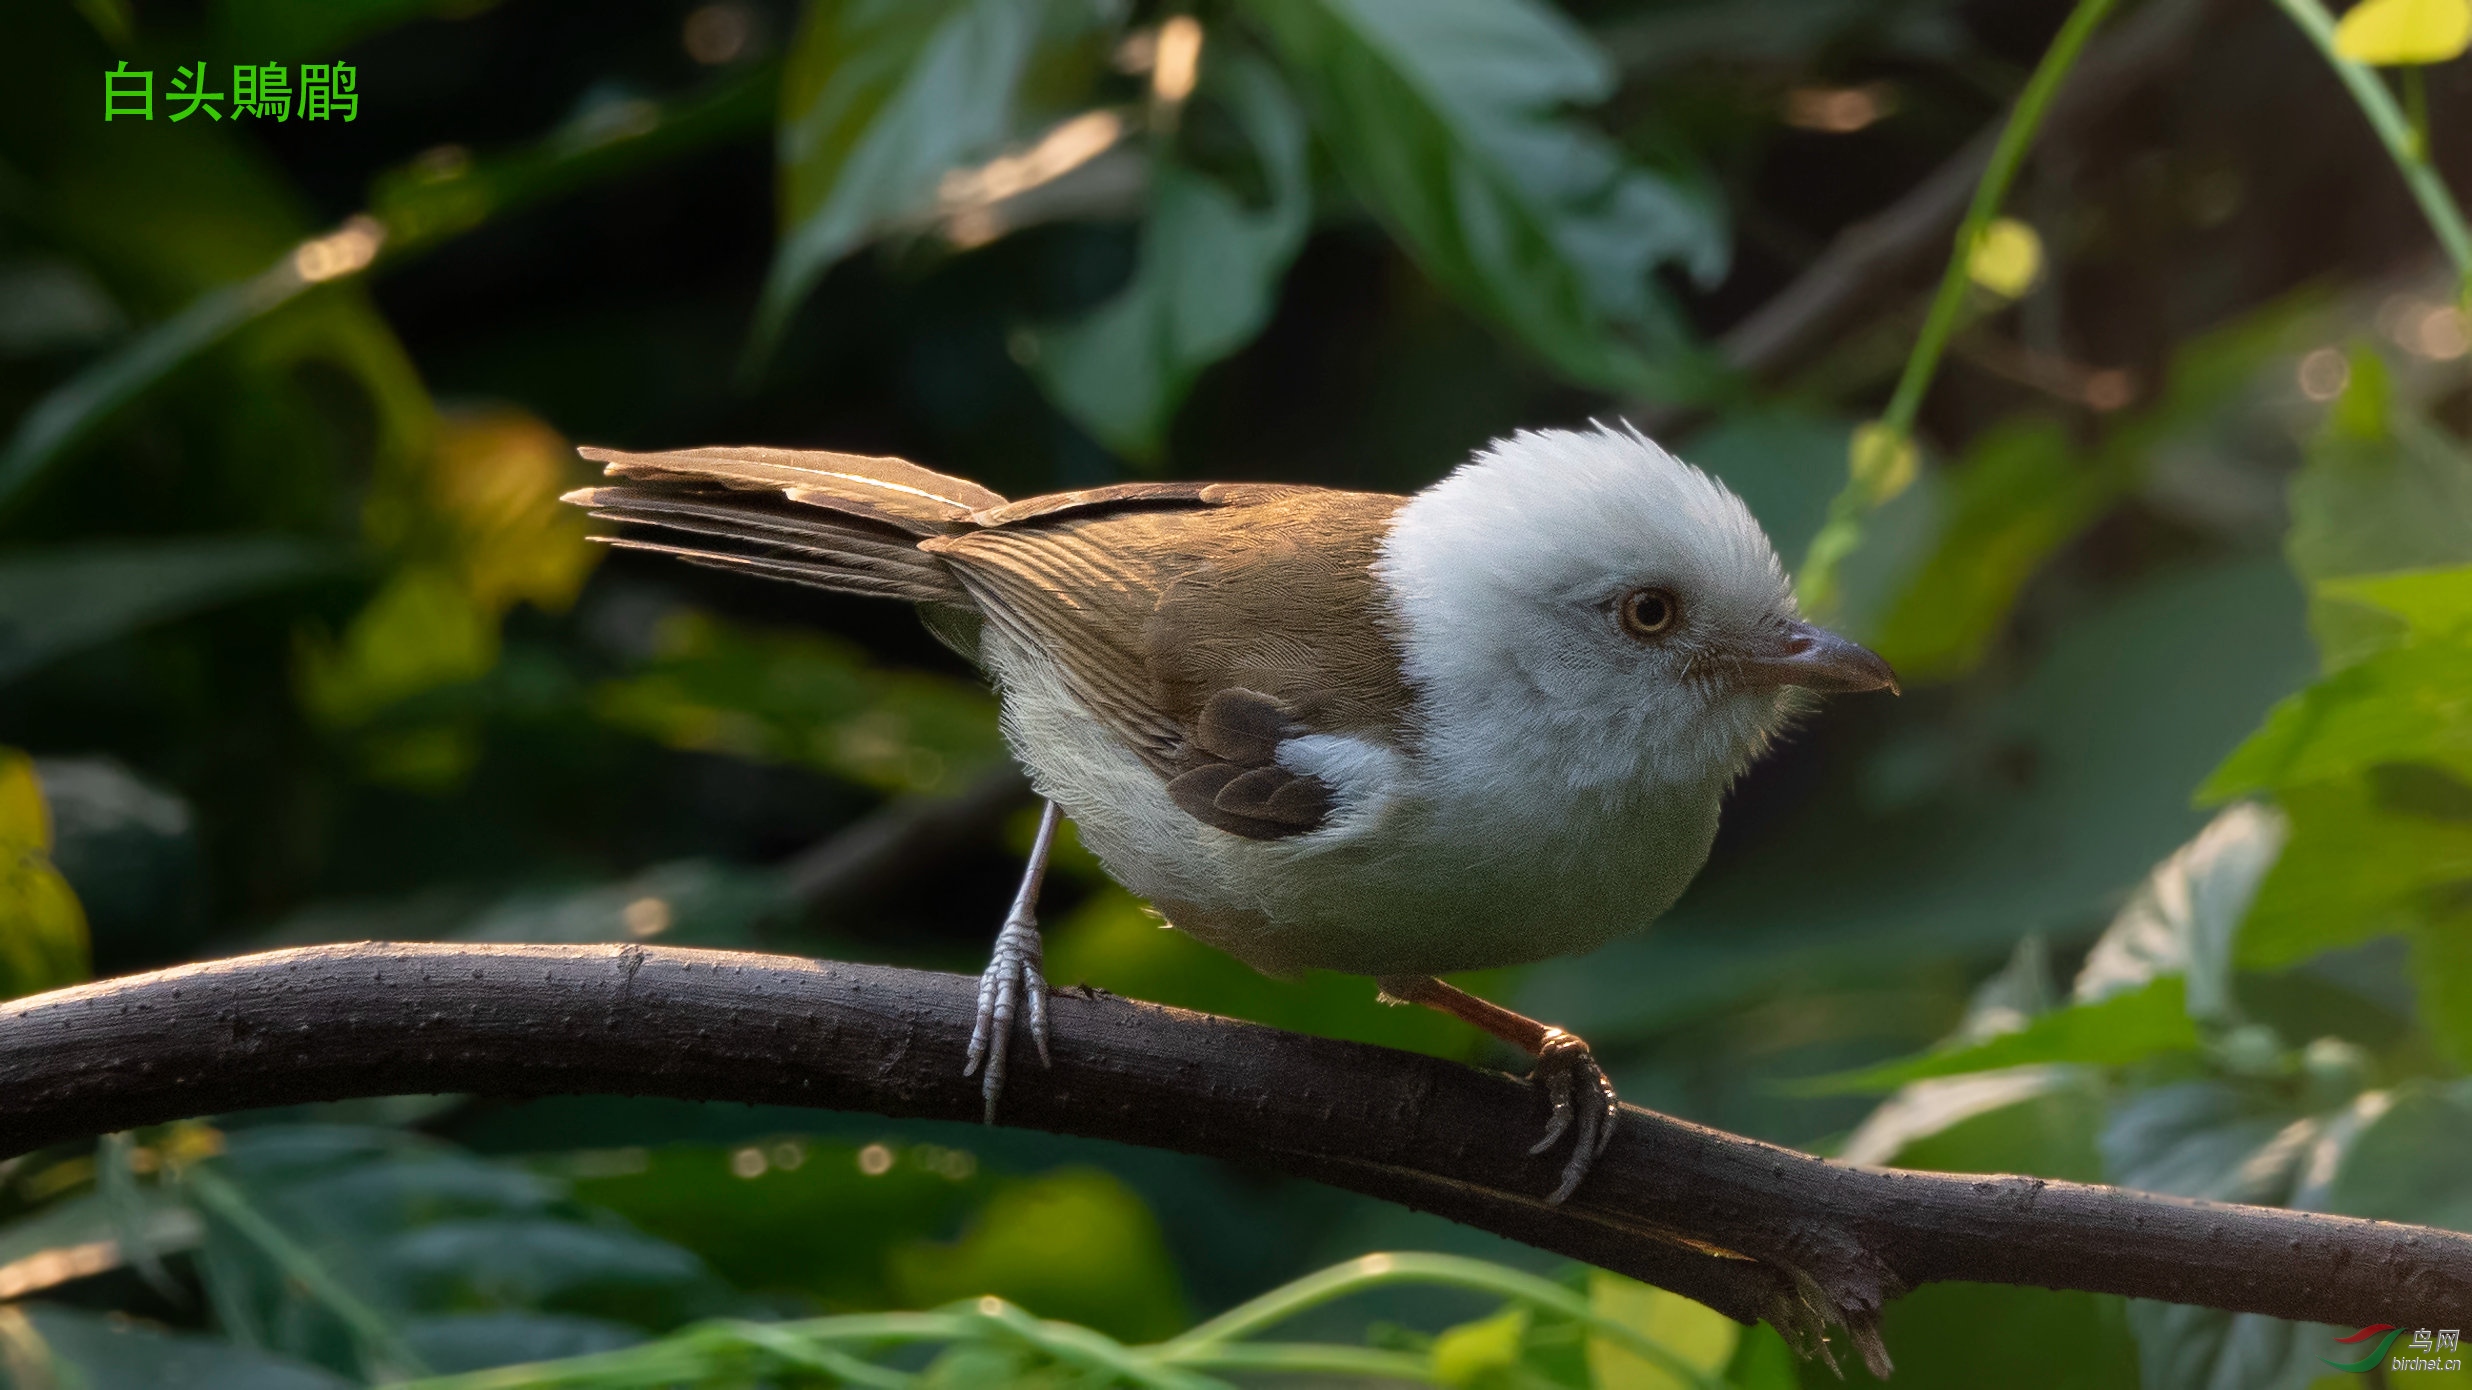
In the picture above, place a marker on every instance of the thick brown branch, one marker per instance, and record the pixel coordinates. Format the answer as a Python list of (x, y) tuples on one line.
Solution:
[(1747, 1227)]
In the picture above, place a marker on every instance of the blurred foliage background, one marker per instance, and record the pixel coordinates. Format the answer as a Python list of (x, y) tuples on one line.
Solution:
[(2161, 872)]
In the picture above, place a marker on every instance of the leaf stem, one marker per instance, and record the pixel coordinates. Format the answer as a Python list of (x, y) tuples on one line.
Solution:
[(2006, 158), (1889, 435), (2396, 131)]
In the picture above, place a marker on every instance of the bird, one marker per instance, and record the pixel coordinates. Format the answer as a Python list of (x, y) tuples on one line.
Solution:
[(1396, 736)]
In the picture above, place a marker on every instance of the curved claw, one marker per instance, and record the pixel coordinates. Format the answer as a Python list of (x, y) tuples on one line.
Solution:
[(1011, 981), (1577, 1089)]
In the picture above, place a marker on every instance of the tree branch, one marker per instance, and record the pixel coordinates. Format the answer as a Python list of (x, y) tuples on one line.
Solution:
[(1749, 1228)]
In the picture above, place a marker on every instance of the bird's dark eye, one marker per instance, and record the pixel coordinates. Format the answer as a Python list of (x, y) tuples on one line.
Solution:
[(1650, 612)]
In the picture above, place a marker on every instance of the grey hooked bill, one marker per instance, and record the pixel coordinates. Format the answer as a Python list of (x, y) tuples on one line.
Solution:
[(1817, 659)]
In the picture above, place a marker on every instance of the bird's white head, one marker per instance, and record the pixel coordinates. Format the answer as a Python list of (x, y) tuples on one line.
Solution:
[(1579, 609)]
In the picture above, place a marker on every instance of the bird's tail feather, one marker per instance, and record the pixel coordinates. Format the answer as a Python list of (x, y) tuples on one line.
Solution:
[(842, 522)]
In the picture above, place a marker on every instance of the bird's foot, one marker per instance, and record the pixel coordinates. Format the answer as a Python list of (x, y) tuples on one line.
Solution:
[(1011, 984), (1579, 1090)]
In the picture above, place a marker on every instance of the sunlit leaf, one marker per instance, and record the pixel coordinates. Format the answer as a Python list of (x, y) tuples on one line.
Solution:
[(880, 100), (1481, 1355), (1208, 273), (1699, 1336), (1443, 115), (2184, 919), (423, 630), (1076, 1244), (2405, 704), (2115, 1031), (42, 928), (2398, 33)]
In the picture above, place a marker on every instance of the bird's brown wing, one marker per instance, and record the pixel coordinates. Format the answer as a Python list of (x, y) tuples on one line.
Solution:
[(1205, 626)]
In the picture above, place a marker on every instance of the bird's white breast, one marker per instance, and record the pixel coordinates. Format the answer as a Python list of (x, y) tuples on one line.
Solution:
[(1419, 871)]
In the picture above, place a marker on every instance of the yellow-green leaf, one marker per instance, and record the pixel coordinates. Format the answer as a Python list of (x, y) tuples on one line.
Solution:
[(1882, 461), (1480, 1355), (2399, 33), (25, 820), (1697, 1335), (43, 943)]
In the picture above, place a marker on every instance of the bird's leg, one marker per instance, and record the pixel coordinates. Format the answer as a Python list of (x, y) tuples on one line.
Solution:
[(1012, 980), (1573, 1081)]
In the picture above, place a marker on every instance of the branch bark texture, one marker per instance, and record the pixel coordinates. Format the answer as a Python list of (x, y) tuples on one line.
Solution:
[(1749, 1228)]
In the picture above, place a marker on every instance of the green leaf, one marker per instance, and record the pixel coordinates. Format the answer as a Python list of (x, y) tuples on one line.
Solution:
[(43, 941), (2358, 864), (2442, 978), (881, 98), (1076, 1244), (2234, 1143), (1481, 1355), (804, 698), (730, 1205), (2020, 493), (2383, 490), (1700, 1336), (56, 602), (2407, 1164), (1443, 116), (2184, 918), (110, 1350), (2115, 1031), (1945, 1336), (1207, 277), (2432, 602), (2411, 703), (1114, 942)]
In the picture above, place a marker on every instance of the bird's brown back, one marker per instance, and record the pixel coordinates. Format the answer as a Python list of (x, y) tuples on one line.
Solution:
[(1152, 609)]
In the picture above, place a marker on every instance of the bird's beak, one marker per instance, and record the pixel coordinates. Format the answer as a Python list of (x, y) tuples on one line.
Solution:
[(1814, 658)]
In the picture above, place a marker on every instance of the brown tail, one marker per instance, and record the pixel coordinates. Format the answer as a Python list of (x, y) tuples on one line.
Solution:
[(844, 522)]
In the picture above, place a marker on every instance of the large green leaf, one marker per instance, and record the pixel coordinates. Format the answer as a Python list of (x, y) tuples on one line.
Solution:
[(1443, 115), (2244, 1142), (2385, 489), (2125, 1027), (880, 100), (1208, 274)]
